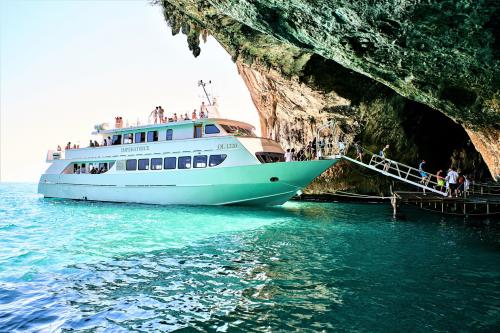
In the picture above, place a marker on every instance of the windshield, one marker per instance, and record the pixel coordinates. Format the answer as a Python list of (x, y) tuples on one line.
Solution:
[(238, 131)]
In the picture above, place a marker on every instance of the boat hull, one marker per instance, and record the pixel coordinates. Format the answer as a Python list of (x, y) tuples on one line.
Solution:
[(257, 185)]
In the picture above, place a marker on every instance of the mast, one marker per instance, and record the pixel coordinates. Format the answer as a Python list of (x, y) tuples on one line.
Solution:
[(203, 84)]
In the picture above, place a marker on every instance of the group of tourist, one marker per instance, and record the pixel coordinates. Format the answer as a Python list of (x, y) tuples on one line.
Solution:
[(91, 170), (68, 146), (454, 183), (106, 142), (158, 115)]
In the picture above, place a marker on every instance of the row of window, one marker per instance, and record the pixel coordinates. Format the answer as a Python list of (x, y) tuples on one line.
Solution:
[(140, 137), (169, 163), (152, 136)]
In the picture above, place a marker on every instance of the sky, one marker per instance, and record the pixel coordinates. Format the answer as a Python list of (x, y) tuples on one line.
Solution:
[(67, 65)]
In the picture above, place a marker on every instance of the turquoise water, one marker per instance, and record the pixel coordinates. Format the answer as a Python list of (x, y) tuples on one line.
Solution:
[(97, 267)]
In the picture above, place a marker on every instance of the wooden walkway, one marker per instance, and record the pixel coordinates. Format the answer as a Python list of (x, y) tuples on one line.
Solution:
[(472, 205)]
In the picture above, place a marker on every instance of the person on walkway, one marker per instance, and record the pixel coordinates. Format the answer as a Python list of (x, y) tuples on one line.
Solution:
[(308, 154), (384, 151), (440, 181), (294, 158), (452, 179), (154, 114), (383, 154), (288, 155), (359, 152), (460, 182), (466, 183), (422, 172), (313, 149)]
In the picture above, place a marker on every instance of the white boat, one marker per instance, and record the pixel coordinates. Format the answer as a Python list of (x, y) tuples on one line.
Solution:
[(210, 161)]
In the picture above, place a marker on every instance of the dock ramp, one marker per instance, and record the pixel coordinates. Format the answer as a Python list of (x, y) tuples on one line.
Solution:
[(332, 142)]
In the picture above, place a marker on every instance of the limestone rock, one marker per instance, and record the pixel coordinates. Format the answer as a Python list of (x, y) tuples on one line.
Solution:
[(308, 61)]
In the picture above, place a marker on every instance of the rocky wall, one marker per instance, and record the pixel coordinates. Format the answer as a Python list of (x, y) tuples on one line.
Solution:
[(298, 78)]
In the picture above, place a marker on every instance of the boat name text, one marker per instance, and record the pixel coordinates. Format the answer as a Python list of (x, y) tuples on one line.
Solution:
[(227, 146), (130, 149)]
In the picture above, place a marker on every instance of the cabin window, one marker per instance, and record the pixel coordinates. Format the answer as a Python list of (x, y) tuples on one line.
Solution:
[(270, 157), (117, 139), (200, 161), (152, 136), (169, 162), (128, 138), (103, 167), (211, 129), (170, 134), (131, 165), (184, 162), (140, 137), (216, 159), (144, 164), (156, 163)]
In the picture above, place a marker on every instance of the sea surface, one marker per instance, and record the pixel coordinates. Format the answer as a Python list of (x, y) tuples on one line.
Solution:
[(69, 266)]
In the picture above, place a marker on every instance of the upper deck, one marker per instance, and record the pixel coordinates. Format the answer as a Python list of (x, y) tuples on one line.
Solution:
[(180, 135), (229, 126)]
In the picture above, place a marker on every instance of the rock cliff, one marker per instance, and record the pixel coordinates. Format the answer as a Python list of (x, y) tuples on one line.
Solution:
[(413, 74)]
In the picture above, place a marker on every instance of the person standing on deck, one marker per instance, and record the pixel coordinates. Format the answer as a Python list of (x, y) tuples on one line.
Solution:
[(288, 155), (203, 110), (154, 114), (193, 115), (160, 114)]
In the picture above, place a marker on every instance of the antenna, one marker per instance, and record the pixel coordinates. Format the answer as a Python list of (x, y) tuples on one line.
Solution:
[(203, 84)]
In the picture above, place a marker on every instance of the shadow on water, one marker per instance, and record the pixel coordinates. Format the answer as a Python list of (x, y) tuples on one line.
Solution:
[(87, 266)]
